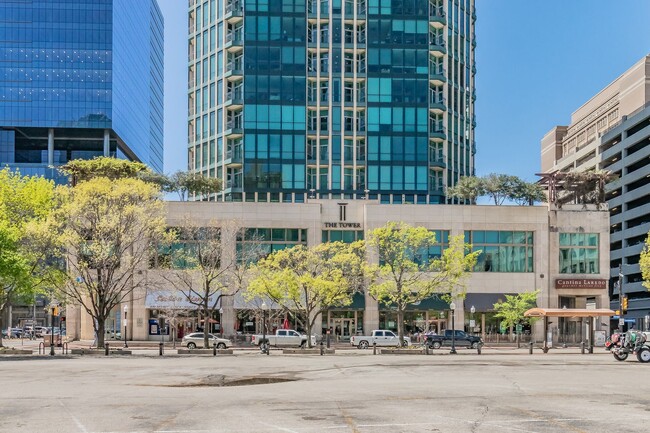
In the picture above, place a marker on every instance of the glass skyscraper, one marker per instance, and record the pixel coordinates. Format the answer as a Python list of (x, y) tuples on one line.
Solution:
[(79, 79), (340, 99)]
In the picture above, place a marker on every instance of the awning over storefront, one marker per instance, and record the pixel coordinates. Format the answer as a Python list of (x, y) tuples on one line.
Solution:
[(432, 303), (484, 302), (358, 303), (569, 312), (173, 300)]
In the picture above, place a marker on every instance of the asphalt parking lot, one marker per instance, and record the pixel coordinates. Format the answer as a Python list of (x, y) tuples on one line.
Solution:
[(352, 391)]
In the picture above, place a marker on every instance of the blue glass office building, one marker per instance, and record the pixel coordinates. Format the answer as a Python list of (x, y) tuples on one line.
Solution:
[(337, 99), (79, 79)]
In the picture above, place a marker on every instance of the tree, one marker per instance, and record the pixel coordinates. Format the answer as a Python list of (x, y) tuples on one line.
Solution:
[(25, 203), (499, 186), (405, 274), (511, 311), (526, 193), (468, 188), (308, 280), (107, 229), (186, 183), (202, 264), (81, 170), (644, 263)]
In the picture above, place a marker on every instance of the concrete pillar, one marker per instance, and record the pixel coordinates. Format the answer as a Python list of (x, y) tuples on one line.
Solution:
[(228, 317), (107, 142), (50, 147), (370, 315)]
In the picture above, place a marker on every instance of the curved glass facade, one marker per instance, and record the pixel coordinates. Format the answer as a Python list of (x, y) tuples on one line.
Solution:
[(80, 78)]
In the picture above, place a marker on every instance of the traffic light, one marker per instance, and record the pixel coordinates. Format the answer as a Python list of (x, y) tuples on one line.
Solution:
[(55, 310), (624, 304)]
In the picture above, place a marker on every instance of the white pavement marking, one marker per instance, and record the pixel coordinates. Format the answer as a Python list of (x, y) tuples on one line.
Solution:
[(74, 418)]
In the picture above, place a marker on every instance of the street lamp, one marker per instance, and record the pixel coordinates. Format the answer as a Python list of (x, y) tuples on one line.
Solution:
[(221, 321), (453, 327), (264, 345), (472, 324), (126, 313)]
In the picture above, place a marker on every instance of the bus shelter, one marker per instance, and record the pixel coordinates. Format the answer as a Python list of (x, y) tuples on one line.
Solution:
[(581, 313)]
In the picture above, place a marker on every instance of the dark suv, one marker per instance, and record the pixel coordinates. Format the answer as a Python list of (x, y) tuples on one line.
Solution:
[(461, 339)]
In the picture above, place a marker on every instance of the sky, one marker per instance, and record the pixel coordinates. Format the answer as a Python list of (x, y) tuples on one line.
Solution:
[(537, 62)]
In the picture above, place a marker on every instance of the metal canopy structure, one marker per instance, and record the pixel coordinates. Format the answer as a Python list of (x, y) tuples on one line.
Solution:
[(569, 312)]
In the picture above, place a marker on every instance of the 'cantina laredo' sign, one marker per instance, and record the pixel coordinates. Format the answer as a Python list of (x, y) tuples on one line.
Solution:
[(580, 283)]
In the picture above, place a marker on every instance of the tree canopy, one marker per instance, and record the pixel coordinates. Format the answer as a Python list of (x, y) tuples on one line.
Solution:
[(499, 187), (310, 279), (407, 274), (511, 311)]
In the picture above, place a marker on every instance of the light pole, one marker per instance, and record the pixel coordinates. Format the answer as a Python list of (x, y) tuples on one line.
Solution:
[(453, 328), (126, 312), (221, 321), (472, 324), (52, 330), (265, 347)]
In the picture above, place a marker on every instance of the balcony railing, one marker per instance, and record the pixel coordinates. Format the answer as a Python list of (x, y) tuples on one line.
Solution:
[(237, 94), (234, 6), (237, 37), (234, 154), (234, 124)]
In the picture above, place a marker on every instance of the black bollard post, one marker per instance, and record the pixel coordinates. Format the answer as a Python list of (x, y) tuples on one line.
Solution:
[(582, 347), (478, 348), (530, 348), (328, 339), (160, 349), (426, 349), (322, 348), (214, 349), (106, 349), (374, 347)]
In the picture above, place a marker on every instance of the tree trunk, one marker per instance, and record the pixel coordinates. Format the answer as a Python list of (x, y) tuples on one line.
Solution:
[(309, 333), (400, 326), (101, 332), (1, 325)]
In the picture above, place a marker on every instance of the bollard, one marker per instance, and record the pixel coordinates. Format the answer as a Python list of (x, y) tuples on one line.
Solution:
[(214, 349), (374, 347), (161, 349), (51, 349), (591, 348), (582, 347), (322, 349), (478, 348), (106, 349), (426, 349), (328, 339), (530, 348)]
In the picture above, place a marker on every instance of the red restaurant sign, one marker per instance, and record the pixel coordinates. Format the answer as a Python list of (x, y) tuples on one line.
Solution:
[(580, 283)]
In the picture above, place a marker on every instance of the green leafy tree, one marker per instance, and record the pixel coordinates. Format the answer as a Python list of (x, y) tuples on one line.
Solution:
[(186, 184), (25, 268), (107, 228), (499, 187), (80, 170), (511, 311), (308, 280), (468, 188), (405, 275), (644, 263), (526, 193)]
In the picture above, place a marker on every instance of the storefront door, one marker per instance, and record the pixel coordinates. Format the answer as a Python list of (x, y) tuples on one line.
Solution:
[(343, 329)]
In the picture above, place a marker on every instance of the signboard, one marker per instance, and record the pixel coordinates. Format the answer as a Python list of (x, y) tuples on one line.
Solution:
[(341, 225), (173, 300), (472, 323), (599, 338), (580, 283), (621, 323), (519, 328)]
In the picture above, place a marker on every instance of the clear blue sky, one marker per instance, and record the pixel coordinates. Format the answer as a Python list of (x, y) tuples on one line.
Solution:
[(537, 62)]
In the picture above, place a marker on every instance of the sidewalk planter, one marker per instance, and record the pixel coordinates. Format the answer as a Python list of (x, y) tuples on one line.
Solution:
[(307, 351), (98, 352), (16, 352), (204, 352), (395, 351)]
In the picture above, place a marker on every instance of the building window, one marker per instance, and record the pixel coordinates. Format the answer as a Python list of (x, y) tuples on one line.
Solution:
[(579, 253), (263, 241), (347, 236), (502, 251)]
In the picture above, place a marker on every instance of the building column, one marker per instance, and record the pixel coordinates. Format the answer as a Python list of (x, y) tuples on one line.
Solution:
[(228, 317), (107, 142), (50, 147), (371, 315)]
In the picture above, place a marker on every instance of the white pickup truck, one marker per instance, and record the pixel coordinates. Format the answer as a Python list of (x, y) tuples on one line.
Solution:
[(283, 338), (381, 337)]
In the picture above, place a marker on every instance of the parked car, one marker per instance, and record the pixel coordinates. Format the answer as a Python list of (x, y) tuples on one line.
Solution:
[(283, 338), (380, 337), (195, 339), (13, 333), (461, 338)]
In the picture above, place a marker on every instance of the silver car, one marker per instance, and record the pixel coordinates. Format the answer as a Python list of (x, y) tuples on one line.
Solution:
[(195, 339)]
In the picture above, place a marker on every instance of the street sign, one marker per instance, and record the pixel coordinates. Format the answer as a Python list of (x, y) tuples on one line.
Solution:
[(519, 328), (621, 323)]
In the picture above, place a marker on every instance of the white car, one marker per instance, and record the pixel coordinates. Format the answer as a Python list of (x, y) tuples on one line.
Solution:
[(195, 339)]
